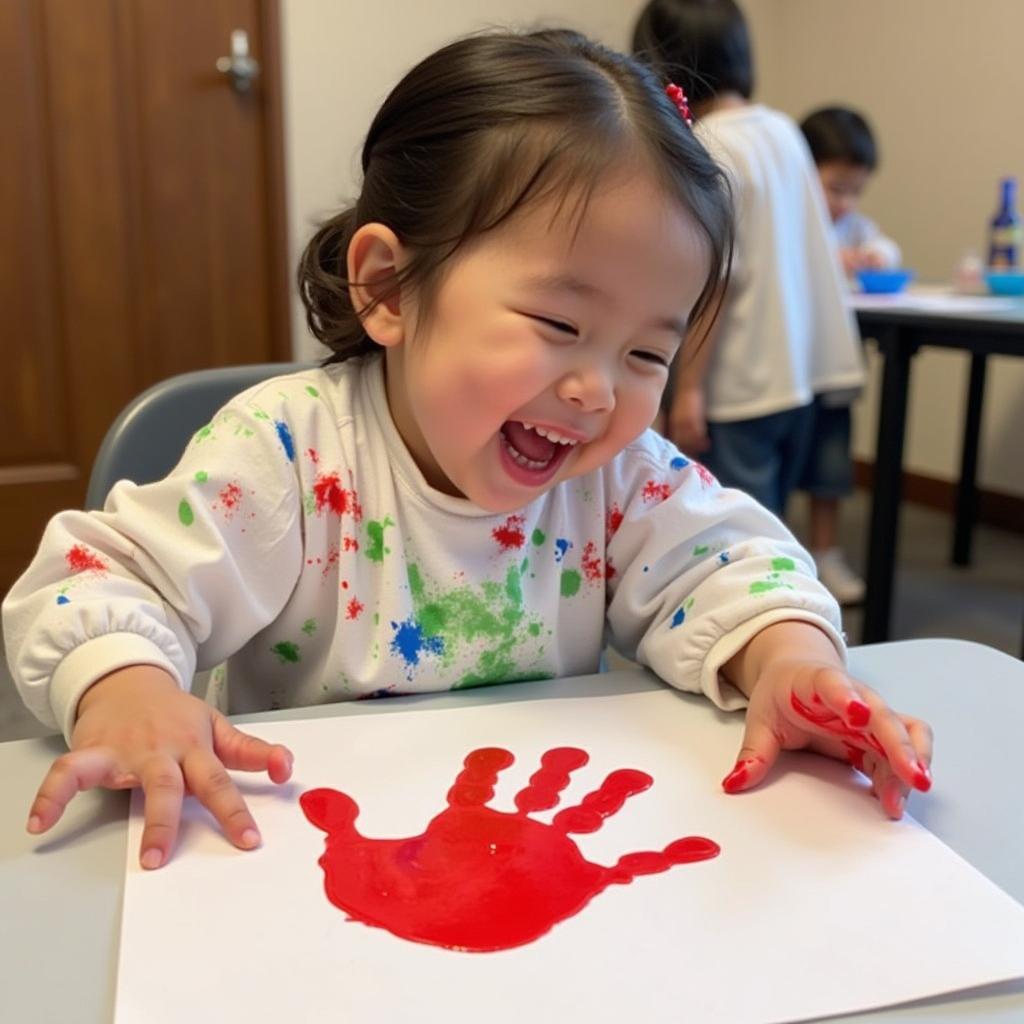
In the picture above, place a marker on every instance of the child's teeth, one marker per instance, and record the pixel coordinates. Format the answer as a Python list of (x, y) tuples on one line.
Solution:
[(551, 435)]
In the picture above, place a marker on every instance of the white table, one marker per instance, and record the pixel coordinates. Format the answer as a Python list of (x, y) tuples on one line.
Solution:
[(60, 897)]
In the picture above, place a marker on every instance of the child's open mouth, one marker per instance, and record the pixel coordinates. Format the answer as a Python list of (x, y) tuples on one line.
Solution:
[(531, 455)]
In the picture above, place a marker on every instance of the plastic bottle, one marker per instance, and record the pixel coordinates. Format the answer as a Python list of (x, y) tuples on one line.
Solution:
[(1004, 229)]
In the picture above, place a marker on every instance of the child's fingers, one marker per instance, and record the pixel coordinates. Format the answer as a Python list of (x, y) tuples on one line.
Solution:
[(835, 697), (68, 775), (210, 783), (901, 750), (759, 752), (241, 751), (164, 789), (886, 785)]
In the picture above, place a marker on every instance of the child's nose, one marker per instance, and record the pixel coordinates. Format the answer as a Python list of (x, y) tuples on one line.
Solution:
[(591, 389)]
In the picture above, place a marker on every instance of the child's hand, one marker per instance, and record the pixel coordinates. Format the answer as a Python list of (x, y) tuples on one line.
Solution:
[(805, 699), (136, 727)]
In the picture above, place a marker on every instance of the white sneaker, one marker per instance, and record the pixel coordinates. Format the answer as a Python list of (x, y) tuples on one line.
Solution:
[(837, 576)]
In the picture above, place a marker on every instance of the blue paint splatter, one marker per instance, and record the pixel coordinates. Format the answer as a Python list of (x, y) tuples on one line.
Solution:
[(679, 462), (561, 547), (285, 437), (61, 599), (678, 619), (724, 557), (409, 643)]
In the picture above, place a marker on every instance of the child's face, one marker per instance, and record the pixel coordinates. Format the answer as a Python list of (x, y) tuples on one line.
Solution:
[(532, 325), (843, 184)]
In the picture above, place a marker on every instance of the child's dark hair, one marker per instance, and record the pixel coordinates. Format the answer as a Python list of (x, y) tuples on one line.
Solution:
[(487, 125), (840, 134), (702, 45)]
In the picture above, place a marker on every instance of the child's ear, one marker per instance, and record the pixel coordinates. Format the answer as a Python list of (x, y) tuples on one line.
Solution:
[(375, 255)]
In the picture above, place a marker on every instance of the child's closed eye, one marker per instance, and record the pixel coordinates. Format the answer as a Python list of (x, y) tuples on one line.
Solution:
[(657, 358), (558, 325)]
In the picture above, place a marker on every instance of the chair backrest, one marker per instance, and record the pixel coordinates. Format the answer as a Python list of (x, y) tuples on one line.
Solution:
[(147, 438)]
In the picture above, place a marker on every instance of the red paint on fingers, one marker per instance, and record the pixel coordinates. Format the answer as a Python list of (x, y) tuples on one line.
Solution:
[(831, 722), (739, 777)]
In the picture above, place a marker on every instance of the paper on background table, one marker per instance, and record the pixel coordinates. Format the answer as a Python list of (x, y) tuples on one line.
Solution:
[(817, 905)]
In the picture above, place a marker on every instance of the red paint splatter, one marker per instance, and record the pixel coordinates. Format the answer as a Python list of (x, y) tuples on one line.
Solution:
[(344, 584), (612, 521), (332, 496), (510, 535), (478, 879), (333, 557), (354, 608), (654, 491), (610, 572), (81, 559), (230, 496), (590, 563), (739, 777), (350, 543), (831, 722), (706, 477), (313, 455)]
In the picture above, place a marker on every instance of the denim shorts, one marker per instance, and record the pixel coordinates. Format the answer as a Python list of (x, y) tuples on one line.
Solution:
[(764, 456), (828, 468)]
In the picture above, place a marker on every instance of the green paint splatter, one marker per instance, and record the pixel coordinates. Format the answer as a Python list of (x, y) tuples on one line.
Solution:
[(376, 550), (376, 618), (701, 549), (312, 391), (763, 586), (309, 627), (783, 564), (287, 652), (309, 503), (203, 433), (489, 619), (524, 567), (201, 477), (571, 580), (537, 538), (185, 513)]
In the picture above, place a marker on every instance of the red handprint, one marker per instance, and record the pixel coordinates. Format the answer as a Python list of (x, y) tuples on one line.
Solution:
[(479, 879)]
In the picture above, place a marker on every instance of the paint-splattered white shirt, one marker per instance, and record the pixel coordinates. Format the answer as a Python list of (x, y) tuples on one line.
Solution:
[(298, 539)]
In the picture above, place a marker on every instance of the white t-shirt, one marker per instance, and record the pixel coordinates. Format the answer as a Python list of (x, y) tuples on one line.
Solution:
[(786, 334), (298, 538)]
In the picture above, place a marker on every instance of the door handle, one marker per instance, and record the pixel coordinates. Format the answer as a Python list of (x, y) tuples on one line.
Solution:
[(240, 67)]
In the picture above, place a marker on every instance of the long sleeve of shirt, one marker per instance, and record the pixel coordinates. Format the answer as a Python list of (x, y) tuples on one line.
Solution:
[(298, 539)]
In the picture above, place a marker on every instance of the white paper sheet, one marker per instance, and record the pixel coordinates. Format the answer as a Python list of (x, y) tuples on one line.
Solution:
[(817, 905)]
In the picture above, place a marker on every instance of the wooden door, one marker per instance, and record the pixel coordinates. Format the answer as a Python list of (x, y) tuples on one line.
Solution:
[(142, 218)]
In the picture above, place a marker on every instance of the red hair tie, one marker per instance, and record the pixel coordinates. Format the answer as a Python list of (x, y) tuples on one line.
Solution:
[(678, 97)]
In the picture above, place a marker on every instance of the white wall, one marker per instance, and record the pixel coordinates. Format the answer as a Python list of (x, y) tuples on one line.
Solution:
[(341, 58), (942, 82)]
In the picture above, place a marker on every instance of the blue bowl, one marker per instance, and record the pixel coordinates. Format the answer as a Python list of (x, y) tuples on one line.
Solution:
[(884, 282), (1005, 282)]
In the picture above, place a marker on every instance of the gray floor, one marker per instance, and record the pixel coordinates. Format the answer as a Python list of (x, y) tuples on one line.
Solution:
[(984, 602)]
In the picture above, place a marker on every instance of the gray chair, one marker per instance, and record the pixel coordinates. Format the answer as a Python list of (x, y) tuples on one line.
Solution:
[(147, 438)]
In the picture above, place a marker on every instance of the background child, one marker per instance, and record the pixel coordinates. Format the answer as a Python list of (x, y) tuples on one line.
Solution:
[(467, 493), (751, 397), (846, 156), (845, 153)]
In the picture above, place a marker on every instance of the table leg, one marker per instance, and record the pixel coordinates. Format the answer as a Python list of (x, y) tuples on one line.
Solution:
[(888, 485), (966, 492)]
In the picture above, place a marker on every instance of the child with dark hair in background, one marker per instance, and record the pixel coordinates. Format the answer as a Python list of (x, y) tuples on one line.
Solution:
[(466, 493), (846, 155), (785, 345)]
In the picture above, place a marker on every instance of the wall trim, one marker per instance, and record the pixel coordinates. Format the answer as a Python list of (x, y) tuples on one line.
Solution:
[(995, 508)]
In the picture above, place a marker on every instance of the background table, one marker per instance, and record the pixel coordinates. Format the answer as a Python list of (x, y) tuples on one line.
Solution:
[(61, 896), (900, 328)]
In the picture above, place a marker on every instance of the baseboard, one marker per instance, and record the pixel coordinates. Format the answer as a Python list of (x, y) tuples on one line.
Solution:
[(995, 508)]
